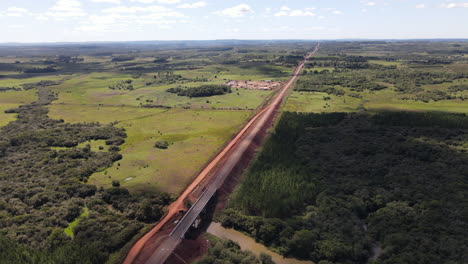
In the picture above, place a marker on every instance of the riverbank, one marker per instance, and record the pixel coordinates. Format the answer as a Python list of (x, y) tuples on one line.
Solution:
[(248, 243)]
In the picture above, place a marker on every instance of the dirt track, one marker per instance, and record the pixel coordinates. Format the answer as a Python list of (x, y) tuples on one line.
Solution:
[(223, 163)]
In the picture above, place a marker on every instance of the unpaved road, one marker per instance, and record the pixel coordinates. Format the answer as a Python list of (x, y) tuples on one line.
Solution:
[(230, 155)]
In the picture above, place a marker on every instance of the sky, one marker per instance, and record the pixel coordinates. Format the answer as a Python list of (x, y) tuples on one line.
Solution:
[(134, 20)]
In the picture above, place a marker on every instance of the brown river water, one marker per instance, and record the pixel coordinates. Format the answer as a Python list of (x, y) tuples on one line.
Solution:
[(248, 243)]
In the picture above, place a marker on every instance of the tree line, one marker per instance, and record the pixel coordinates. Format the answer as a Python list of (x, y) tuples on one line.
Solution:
[(201, 91)]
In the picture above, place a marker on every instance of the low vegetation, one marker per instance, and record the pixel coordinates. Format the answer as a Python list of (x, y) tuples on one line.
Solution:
[(42, 83), (123, 85), (5, 89), (161, 144)]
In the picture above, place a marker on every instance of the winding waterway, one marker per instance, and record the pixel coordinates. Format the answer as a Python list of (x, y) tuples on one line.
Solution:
[(248, 243)]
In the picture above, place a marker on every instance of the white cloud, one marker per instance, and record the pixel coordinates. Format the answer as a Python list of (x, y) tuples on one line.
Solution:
[(366, 3), (66, 9), (107, 1), (333, 10), (455, 5), (285, 11), (420, 6), (124, 22), (41, 17), (16, 26), (193, 5), (168, 1), (16, 11), (124, 18), (156, 1), (143, 1), (67, 6), (236, 11), (136, 9), (318, 28)]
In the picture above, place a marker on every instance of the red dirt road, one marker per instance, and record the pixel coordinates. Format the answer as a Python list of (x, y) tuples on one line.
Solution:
[(134, 254)]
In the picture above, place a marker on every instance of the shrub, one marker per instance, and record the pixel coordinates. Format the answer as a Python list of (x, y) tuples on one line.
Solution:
[(161, 144)]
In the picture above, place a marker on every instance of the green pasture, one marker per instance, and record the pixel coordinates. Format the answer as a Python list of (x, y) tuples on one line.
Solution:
[(386, 63), (194, 137), (195, 127), (373, 101), (13, 99), (92, 89), (17, 82), (314, 102)]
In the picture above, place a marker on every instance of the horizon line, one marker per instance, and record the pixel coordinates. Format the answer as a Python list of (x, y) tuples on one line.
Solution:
[(230, 39)]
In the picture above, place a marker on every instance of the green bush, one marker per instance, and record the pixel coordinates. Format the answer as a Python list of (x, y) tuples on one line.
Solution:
[(161, 144)]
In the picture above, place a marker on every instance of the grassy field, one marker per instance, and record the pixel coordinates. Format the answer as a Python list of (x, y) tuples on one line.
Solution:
[(386, 63), (314, 102), (93, 89), (195, 127), (13, 99), (8, 82), (382, 100), (194, 136)]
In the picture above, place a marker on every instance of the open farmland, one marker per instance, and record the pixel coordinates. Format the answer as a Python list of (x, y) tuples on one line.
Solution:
[(194, 136), (194, 126), (96, 144), (114, 133), (12, 99), (379, 77)]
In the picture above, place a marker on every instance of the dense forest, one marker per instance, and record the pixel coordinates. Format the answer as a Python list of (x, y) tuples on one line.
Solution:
[(335, 188), (43, 191)]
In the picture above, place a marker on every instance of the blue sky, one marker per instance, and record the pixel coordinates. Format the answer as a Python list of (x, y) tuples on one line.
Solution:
[(122, 20)]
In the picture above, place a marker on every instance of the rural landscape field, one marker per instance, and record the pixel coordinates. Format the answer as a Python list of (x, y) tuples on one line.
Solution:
[(233, 132), (112, 143), (369, 152)]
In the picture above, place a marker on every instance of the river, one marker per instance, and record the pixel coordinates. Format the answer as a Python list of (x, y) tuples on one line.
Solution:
[(248, 243)]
